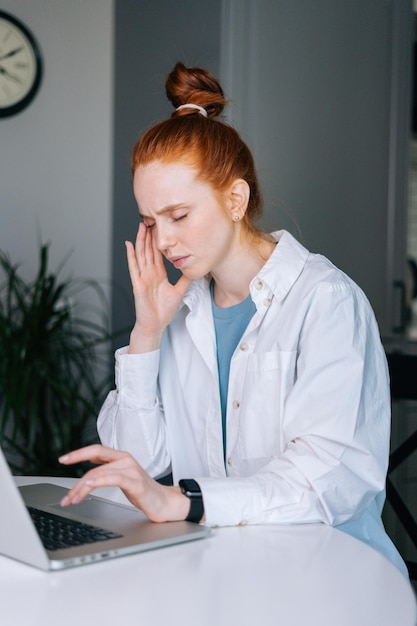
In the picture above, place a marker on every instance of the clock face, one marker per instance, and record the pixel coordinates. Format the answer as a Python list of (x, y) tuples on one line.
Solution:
[(20, 65)]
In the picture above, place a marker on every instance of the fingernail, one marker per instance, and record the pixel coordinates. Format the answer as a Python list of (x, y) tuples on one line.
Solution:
[(64, 458), (65, 501)]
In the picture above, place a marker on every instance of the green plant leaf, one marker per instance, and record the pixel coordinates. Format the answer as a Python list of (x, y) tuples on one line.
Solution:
[(54, 372)]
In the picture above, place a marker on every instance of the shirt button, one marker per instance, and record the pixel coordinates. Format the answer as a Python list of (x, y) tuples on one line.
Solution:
[(259, 285), (267, 301), (244, 347), (230, 461), (236, 404)]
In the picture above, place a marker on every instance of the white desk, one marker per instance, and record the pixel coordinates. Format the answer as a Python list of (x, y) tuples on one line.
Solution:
[(308, 575)]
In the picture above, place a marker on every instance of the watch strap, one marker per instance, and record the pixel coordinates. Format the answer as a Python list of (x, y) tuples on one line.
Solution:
[(190, 488)]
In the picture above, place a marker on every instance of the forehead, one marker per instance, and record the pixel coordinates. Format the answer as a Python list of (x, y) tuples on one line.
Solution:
[(159, 184), (156, 170)]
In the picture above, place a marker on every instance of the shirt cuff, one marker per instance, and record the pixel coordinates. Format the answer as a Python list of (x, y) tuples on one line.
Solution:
[(136, 378), (226, 502)]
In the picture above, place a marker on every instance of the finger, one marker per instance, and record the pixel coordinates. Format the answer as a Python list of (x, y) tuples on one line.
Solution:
[(78, 493), (157, 254), (140, 244), (143, 249), (148, 248), (100, 477), (95, 453), (132, 265), (124, 473)]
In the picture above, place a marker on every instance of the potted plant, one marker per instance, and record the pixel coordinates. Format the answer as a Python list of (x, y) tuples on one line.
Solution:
[(53, 366)]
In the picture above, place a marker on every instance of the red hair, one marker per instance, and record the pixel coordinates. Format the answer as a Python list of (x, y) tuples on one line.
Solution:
[(210, 146)]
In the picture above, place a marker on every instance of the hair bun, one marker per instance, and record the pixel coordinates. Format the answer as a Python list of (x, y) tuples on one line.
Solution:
[(192, 85)]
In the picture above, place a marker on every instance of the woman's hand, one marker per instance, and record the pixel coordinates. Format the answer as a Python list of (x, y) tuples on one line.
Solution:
[(119, 469), (156, 299)]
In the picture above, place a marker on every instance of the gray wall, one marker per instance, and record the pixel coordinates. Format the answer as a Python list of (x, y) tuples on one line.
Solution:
[(64, 174), (318, 90), (328, 154), (151, 36), (55, 156), (322, 95)]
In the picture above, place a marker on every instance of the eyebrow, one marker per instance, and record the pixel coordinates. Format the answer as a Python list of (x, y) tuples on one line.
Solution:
[(166, 209)]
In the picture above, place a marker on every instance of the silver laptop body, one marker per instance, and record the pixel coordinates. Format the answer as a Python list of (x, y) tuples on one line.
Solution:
[(19, 538)]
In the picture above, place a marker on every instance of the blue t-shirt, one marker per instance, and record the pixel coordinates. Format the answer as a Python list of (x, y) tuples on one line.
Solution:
[(230, 323)]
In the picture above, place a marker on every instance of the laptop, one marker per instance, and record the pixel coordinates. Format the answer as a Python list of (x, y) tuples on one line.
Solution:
[(94, 530)]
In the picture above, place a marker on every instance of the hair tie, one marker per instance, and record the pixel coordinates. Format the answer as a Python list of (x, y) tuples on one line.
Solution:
[(193, 106)]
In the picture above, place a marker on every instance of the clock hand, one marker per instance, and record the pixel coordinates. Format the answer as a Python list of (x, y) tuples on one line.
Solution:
[(11, 53), (8, 75)]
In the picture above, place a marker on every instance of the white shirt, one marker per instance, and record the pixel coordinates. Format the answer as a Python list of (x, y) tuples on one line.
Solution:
[(308, 415)]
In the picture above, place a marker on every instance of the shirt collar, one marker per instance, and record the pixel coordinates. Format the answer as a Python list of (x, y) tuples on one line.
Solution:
[(284, 266), (279, 273)]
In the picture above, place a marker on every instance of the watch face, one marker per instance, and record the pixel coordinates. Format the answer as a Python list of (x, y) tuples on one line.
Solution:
[(20, 65), (190, 487)]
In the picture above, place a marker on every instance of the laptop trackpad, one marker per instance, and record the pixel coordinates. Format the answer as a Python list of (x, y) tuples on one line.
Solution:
[(97, 510)]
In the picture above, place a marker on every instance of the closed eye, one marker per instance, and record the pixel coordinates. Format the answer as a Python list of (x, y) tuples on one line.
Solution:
[(180, 217)]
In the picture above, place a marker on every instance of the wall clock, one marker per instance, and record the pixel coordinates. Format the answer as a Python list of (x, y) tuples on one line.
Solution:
[(20, 65)]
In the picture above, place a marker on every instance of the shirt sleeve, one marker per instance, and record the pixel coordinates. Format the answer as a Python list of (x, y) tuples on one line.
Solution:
[(132, 416), (336, 424)]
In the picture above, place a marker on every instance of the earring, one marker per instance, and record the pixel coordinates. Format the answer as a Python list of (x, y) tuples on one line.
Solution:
[(236, 218)]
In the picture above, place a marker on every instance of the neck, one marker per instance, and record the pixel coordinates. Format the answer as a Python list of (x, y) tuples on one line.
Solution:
[(231, 283)]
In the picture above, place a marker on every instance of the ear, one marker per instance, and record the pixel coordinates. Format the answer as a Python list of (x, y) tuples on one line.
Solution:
[(239, 193)]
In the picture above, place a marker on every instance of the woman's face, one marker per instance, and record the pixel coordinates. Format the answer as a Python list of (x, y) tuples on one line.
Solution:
[(193, 230)]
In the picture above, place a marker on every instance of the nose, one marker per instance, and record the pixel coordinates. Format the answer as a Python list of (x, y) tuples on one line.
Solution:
[(164, 236)]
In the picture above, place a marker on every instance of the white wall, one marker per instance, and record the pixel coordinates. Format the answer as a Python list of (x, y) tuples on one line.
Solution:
[(56, 156)]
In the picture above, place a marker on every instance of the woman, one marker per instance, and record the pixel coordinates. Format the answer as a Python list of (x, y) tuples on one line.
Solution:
[(259, 378)]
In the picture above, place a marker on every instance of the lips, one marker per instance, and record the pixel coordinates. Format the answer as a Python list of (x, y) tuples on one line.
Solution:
[(178, 261)]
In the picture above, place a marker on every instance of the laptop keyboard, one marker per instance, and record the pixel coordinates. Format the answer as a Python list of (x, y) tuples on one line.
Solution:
[(57, 532)]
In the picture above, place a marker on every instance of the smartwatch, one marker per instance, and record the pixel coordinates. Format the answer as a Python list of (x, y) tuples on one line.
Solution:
[(190, 488)]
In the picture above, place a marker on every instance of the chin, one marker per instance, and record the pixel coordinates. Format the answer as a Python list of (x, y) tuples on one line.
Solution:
[(193, 274)]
